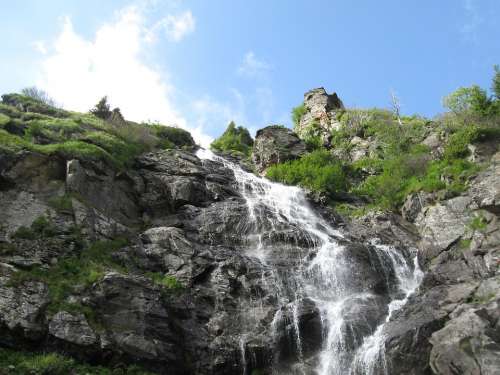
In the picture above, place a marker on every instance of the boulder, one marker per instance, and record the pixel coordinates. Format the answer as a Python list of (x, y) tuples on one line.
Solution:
[(276, 144)]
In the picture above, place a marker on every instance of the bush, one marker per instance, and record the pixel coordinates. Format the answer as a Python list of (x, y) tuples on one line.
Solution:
[(22, 363), (234, 139), (40, 228), (120, 150), (318, 171), (172, 135), (297, 114), (102, 109), (458, 142), (38, 94), (167, 281)]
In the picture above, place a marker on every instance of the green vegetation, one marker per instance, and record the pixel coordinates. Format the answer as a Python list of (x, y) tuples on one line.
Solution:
[(235, 140), (397, 161), (28, 104), (464, 244), (102, 109), (22, 363), (297, 114), (27, 123), (39, 95), (40, 228), (167, 281), (74, 271), (478, 223), (62, 203), (318, 171), (475, 100)]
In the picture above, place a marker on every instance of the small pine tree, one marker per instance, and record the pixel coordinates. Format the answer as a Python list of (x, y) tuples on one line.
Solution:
[(101, 109), (496, 82)]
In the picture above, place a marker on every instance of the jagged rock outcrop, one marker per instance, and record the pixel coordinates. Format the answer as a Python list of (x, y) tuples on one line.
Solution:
[(276, 144), (319, 117)]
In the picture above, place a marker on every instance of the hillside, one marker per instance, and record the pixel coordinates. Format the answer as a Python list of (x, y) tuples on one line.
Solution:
[(124, 250)]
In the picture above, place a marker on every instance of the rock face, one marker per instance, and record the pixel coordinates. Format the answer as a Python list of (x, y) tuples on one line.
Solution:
[(208, 279), (451, 325), (276, 144), (320, 109)]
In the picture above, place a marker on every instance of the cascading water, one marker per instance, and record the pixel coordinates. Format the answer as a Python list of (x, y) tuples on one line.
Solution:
[(327, 275)]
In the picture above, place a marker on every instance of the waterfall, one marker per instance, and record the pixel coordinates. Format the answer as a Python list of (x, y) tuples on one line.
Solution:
[(323, 276)]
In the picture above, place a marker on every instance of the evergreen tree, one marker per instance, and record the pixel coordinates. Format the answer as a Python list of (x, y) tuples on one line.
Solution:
[(101, 109)]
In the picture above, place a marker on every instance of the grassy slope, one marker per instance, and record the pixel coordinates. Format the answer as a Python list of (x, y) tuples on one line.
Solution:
[(31, 125)]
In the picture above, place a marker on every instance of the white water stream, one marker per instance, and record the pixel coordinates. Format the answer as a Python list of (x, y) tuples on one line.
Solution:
[(326, 279)]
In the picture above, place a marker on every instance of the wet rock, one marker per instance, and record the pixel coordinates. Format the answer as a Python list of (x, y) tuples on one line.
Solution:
[(276, 144), (110, 194), (72, 328), (22, 307), (136, 322)]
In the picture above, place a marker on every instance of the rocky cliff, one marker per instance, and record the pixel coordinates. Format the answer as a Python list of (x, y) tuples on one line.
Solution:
[(183, 263)]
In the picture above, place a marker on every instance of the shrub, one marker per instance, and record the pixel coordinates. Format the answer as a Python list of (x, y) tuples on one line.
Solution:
[(234, 139), (496, 82), (27, 104), (172, 135), (38, 94), (4, 119), (318, 171), (22, 363), (62, 203), (102, 109), (457, 145), (167, 281), (40, 228), (120, 150), (297, 114)]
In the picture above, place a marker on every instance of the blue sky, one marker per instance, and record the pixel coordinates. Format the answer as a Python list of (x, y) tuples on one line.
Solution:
[(202, 63)]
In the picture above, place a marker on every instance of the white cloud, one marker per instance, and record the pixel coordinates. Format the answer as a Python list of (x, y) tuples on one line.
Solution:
[(175, 27), (251, 66), (81, 70), (40, 47), (208, 111)]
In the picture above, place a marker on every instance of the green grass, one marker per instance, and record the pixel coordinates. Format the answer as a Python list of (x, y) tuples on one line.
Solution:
[(28, 104), (81, 270), (478, 223), (318, 171), (54, 129), (40, 228), (167, 281), (62, 204), (26, 124), (22, 363), (4, 119)]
